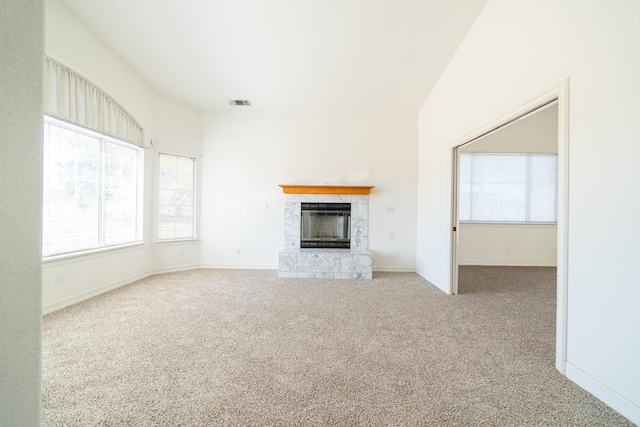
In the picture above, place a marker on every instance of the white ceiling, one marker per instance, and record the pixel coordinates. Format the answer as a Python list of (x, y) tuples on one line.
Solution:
[(285, 54)]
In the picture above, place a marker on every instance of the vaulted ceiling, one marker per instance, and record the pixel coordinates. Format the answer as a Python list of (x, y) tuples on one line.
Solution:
[(285, 54)]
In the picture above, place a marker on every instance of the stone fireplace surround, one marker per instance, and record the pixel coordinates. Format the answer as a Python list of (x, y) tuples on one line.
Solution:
[(353, 263)]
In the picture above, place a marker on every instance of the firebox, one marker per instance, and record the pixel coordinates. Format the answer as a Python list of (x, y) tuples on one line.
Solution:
[(325, 225)]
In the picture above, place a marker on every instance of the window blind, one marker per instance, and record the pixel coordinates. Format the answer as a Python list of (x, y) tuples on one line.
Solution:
[(176, 206), (505, 187)]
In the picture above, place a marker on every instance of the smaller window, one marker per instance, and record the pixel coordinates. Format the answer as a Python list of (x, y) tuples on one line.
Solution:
[(176, 197)]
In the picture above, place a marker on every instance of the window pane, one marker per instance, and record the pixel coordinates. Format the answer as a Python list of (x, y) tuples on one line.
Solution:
[(71, 177), (184, 166), (498, 187), (464, 189), (176, 197), (121, 194), (543, 197), (167, 164), (503, 187)]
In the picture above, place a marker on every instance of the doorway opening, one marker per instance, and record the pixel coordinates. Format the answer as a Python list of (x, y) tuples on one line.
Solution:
[(487, 139)]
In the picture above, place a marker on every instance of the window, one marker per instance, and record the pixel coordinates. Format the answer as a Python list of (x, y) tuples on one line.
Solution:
[(176, 196), (501, 187), (92, 190)]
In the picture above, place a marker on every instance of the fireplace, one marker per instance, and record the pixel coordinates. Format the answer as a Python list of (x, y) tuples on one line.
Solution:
[(325, 225), (326, 231)]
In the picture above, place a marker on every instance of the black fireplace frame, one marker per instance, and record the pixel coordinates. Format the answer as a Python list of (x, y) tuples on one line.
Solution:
[(325, 242)]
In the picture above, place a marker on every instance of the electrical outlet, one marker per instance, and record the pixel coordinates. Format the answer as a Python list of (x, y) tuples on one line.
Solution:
[(391, 209), (391, 236), (239, 251), (59, 278), (394, 254), (508, 250), (180, 252), (266, 207)]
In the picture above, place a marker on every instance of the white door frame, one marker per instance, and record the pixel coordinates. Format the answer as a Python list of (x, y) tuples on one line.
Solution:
[(560, 92), (455, 223)]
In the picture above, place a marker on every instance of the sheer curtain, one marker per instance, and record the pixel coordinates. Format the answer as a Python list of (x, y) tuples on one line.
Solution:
[(71, 97)]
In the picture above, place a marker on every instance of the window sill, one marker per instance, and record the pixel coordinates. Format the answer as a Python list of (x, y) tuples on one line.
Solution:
[(177, 242), (93, 253)]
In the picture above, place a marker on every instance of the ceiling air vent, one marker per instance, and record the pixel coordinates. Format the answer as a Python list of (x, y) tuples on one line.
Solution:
[(240, 102)]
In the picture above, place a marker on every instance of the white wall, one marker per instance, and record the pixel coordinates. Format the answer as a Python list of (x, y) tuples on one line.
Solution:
[(513, 244), (515, 52), (176, 127), (177, 130), (21, 50), (536, 133), (247, 153), (507, 244)]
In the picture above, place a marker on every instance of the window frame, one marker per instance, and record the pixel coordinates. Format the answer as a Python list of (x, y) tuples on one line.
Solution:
[(194, 198), (138, 219)]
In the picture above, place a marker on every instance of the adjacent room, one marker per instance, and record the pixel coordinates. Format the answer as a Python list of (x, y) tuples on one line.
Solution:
[(285, 212)]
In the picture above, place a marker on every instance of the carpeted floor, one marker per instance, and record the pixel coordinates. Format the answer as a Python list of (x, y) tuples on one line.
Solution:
[(237, 347)]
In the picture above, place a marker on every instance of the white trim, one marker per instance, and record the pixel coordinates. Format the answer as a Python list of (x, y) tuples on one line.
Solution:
[(559, 92), (72, 257), (82, 296), (509, 264), (241, 266), (394, 269), (177, 242), (562, 92), (174, 269), (382, 268), (616, 401), (455, 220), (178, 154), (481, 224)]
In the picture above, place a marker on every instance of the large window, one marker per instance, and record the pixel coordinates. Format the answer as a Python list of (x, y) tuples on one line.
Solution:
[(176, 197), (500, 187), (92, 190)]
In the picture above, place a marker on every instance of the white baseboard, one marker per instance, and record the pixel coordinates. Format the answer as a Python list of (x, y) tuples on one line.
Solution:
[(510, 264), (394, 269), (618, 402), (241, 266), (175, 269), (50, 308)]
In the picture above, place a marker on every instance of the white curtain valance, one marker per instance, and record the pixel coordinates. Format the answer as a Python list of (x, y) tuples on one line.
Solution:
[(71, 97)]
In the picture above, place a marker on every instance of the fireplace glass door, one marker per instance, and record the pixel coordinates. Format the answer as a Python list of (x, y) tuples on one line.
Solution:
[(325, 225)]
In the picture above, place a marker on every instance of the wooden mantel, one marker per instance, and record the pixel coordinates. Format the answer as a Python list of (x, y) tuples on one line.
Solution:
[(325, 189)]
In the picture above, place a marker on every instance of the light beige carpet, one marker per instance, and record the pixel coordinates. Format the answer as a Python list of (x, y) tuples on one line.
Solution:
[(234, 347)]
